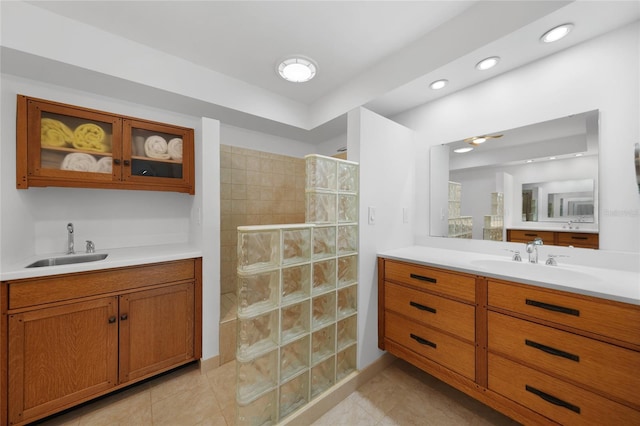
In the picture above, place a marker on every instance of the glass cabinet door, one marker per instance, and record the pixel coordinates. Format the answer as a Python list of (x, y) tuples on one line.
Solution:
[(155, 153), (73, 143)]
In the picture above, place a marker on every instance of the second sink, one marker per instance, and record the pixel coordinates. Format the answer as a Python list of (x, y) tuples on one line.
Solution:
[(68, 260)]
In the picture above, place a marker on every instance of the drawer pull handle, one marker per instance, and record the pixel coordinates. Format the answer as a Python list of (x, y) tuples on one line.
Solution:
[(552, 399), (422, 307), (422, 341), (554, 308), (552, 351), (422, 278), (530, 235), (578, 238)]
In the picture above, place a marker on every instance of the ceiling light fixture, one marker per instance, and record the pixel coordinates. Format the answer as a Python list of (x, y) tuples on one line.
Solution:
[(579, 155), (297, 69), (529, 161), (552, 158), (439, 84), (487, 63), (463, 150), (556, 33)]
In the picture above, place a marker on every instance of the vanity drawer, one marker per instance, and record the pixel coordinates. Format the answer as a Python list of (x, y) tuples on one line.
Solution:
[(602, 317), (430, 343), (524, 236), (560, 401), (57, 288), (601, 366), (445, 314), (578, 239), (456, 285)]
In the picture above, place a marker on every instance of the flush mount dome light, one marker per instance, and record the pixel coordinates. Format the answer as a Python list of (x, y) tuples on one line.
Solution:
[(297, 69), (556, 33), (487, 63), (439, 84), (463, 150)]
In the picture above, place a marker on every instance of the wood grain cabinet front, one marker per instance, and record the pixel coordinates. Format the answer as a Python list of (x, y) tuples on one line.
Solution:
[(556, 238), (96, 335), (427, 315), (539, 355), (70, 146)]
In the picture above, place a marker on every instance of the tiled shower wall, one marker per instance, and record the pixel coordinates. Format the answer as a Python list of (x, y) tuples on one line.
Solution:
[(256, 188)]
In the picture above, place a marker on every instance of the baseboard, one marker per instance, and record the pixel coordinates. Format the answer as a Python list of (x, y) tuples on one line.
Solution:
[(332, 397), (209, 364)]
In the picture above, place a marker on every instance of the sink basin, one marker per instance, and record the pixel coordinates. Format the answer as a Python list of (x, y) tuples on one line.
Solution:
[(537, 271), (68, 260)]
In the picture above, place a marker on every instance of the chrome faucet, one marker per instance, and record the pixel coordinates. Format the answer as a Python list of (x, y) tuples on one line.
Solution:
[(532, 249), (70, 249)]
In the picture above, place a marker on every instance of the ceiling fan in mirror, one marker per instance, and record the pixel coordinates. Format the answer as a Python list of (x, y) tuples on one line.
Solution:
[(477, 140)]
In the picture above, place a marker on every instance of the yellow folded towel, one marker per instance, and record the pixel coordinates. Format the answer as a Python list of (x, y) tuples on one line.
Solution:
[(89, 137), (55, 133)]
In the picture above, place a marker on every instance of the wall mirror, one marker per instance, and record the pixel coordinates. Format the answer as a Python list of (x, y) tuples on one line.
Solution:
[(539, 176)]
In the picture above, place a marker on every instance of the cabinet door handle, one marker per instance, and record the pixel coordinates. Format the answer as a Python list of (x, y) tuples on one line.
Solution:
[(423, 278), (112, 320), (422, 307), (116, 161), (552, 351), (554, 308), (127, 162), (552, 399), (123, 317), (422, 341)]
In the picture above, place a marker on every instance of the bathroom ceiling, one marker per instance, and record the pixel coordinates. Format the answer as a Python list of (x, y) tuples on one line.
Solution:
[(379, 54)]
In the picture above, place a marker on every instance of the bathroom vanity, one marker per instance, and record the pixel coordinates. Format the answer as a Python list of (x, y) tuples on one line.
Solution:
[(71, 337), (540, 352)]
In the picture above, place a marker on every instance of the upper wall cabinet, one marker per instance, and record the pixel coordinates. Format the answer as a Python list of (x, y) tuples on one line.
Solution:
[(64, 145)]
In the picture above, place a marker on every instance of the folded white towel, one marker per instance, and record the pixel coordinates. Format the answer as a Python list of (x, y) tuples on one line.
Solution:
[(175, 149), (104, 165), (79, 162), (156, 147)]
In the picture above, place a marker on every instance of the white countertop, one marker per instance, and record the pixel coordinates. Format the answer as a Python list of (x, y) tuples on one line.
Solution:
[(612, 284), (116, 258)]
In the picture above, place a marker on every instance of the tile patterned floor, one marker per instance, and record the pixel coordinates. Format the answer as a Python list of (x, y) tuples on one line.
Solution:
[(400, 395)]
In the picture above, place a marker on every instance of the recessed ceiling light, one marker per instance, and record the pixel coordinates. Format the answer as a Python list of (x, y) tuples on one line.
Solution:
[(579, 155), (552, 158), (438, 84), (529, 161), (556, 33), (478, 140), (297, 69), (487, 63), (463, 150)]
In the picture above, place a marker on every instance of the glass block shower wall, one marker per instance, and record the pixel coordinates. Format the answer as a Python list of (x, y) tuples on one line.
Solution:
[(297, 299)]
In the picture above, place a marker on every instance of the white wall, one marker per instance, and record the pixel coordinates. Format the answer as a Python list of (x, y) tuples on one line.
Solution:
[(34, 220), (243, 138), (382, 148), (598, 74)]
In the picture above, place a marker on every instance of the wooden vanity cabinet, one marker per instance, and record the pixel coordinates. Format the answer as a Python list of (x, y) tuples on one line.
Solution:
[(74, 337), (427, 316), (555, 238), (538, 355), (70, 146)]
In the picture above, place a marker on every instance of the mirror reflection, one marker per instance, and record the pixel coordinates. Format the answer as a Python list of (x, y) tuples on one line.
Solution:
[(540, 176), (558, 201)]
